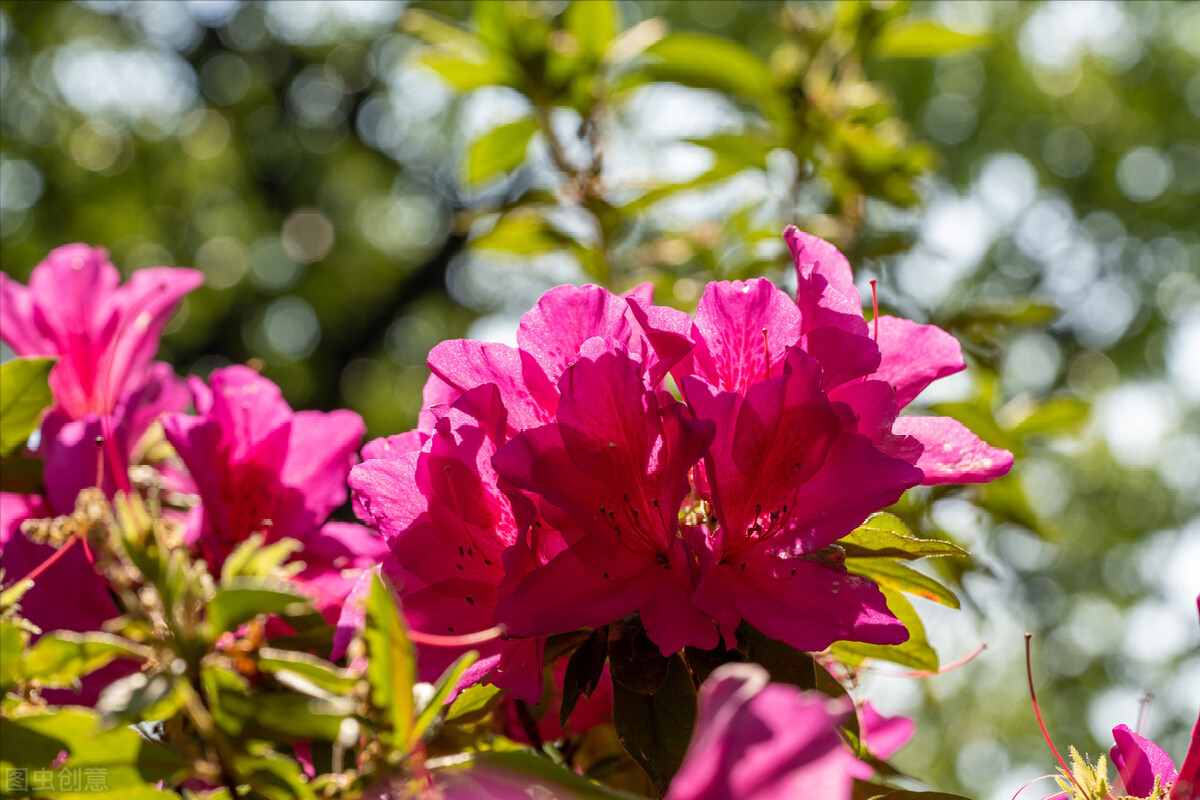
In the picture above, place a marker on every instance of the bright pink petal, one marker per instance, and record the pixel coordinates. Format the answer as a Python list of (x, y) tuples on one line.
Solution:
[(565, 317), (1139, 762), (17, 328), (334, 557), (843, 356), (825, 290), (883, 736), (395, 445), (952, 454), (321, 450), (806, 604), (1187, 784), (668, 331), (914, 356), (381, 494), (766, 742), (743, 331), (459, 365)]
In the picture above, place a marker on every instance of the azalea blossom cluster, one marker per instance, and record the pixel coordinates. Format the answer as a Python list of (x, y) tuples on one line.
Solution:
[(255, 466), (630, 458)]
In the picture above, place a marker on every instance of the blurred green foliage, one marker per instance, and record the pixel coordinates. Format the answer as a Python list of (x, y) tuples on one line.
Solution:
[(360, 180)]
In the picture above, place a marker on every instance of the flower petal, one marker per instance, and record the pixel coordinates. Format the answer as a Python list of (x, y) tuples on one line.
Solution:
[(825, 290), (914, 356), (952, 453), (1139, 762)]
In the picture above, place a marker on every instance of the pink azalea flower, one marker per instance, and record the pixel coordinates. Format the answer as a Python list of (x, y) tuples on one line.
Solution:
[(549, 339), (786, 476), (907, 358), (437, 502), (1140, 762), (105, 383), (259, 467), (602, 485), (756, 740), (883, 736)]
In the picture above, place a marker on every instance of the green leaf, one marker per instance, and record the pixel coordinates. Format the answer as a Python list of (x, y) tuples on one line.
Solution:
[(866, 790), (391, 663), (24, 395), (522, 232), (277, 716), (594, 24), (635, 661), (539, 776), (584, 670), (886, 536), (13, 594), (655, 728), (243, 599), (317, 671), (13, 639), (1055, 417), (131, 764), (782, 662), (60, 659), (498, 151), (465, 74), (140, 698), (273, 777), (472, 703), (924, 39), (251, 560), (894, 575), (442, 689), (706, 61), (916, 652)]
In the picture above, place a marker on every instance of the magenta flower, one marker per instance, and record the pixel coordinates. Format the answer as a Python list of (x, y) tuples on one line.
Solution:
[(105, 383), (259, 467), (877, 382), (786, 476), (883, 736), (437, 502), (602, 485), (756, 740), (1140, 762), (549, 339)]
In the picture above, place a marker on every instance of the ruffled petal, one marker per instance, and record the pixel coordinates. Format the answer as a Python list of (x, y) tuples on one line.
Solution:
[(914, 356), (951, 453), (825, 290)]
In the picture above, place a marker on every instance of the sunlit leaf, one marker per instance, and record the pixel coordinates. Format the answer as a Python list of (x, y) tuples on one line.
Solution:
[(391, 663), (473, 702), (318, 671), (892, 574), (243, 599), (886, 536), (498, 151), (594, 24), (916, 652), (12, 646), (924, 39), (61, 658), (24, 395), (445, 685)]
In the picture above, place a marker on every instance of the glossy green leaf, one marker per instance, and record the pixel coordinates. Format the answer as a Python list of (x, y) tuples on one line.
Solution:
[(473, 703), (538, 776), (251, 559), (24, 395), (131, 764), (892, 574), (242, 599), (13, 640), (60, 659), (886, 536), (446, 684), (706, 61), (594, 24), (655, 728), (321, 673), (498, 151), (924, 39), (391, 662), (464, 74), (916, 652)]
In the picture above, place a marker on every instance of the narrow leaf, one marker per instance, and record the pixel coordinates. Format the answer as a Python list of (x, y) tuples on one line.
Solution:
[(498, 151), (924, 39), (391, 663), (655, 728), (446, 684)]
